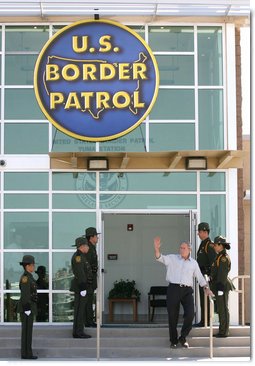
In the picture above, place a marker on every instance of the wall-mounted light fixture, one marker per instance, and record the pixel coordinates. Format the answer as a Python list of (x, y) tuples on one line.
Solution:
[(98, 163), (196, 163)]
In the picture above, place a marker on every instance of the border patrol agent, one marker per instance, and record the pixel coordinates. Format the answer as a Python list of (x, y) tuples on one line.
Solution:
[(81, 285), (27, 306), (92, 237), (221, 284), (205, 257)]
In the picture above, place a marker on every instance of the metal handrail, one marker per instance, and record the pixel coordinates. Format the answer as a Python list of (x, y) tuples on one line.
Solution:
[(241, 291), (211, 302), (211, 324)]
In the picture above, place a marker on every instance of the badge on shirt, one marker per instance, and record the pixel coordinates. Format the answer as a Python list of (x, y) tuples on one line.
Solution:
[(78, 259), (223, 259), (24, 279)]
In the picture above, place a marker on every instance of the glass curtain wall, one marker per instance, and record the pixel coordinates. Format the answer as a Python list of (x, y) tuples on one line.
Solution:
[(42, 212)]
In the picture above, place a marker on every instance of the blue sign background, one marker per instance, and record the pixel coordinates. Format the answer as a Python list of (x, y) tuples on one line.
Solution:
[(96, 125)]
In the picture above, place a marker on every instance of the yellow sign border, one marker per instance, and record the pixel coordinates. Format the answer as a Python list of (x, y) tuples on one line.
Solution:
[(86, 138)]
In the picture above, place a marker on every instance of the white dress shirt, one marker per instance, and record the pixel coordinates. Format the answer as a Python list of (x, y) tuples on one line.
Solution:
[(181, 271)]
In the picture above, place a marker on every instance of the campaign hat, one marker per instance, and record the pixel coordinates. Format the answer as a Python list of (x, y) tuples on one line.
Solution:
[(91, 231), (27, 259), (203, 226)]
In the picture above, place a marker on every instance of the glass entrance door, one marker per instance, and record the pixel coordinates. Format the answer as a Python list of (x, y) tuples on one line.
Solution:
[(128, 255)]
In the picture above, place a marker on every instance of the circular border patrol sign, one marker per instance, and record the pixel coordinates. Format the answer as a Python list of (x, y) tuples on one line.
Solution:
[(96, 80)]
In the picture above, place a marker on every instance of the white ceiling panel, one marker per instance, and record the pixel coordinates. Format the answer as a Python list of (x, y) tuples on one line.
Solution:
[(44, 8)]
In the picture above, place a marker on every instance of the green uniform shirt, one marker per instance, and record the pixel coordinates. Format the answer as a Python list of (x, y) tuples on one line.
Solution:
[(28, 293), (206, 256), (93, 261), (219, 272), (82, 273)]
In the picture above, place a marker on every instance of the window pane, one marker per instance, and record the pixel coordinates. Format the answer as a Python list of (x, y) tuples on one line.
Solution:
[(10, 307), (168, 105), (62, 272), (148, 182), (26, 230), (176, 70), (67, 226), (211, 123), (139, 29), (176, 201), (210, 65), (171, 38), (63, 143), (19, 69), (26, 201), (172, 136), (85, 200), (74, 181), (13, 270), (56, 28), (63, 305), (212, 181), (133, 141), (213, 210), (26, 181), (22, 104), (26, 38), (33, 138)]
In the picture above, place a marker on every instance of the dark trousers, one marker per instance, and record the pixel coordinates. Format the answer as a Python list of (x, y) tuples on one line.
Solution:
[(26, 334), (79, 311), (202, 306), (89, 316), (177, 296), (223, 312)]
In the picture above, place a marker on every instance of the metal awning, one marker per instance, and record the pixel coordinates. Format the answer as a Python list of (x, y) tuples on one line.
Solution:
[(154, 8), (147, 161)]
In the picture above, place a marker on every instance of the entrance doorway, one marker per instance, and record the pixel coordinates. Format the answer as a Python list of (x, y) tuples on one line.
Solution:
[(129, 255)]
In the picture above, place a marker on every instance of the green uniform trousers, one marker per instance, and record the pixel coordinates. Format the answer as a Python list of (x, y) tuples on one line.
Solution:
[(89, 314), (26, 334), (79, 312), (223, 312)]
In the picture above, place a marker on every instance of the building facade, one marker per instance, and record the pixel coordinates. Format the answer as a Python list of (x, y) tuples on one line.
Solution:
[(48, 196)]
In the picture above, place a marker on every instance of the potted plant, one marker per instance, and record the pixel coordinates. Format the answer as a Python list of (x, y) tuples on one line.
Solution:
[(124, 289)]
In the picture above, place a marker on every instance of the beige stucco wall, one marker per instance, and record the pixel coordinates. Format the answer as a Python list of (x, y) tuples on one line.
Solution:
[(247, 226)]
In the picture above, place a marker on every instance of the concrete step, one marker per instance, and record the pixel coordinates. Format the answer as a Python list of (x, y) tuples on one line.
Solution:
[(129, 343), (126, 353), (137, 341), (62, 331)]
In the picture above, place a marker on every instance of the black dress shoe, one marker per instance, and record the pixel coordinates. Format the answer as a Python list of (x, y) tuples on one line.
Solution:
[(219, 335), (199, 325), (183, 342), (84, 335), (29, 357), (91, 325)]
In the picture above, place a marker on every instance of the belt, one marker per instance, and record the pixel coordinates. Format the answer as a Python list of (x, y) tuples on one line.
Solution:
[(179, 285)]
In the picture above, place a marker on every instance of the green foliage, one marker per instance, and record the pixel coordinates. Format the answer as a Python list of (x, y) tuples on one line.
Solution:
[(124, 289)]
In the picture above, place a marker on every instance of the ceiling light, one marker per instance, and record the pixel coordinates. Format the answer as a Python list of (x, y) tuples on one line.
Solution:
[(98, 163), (196, 163)]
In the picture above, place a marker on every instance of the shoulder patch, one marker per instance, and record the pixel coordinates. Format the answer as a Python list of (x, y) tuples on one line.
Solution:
[(78, 259), (24, 279), (223, 259)]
